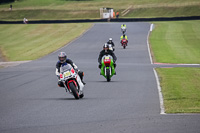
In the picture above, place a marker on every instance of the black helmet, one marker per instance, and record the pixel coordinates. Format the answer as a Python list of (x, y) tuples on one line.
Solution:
[(124, 35), (105, 47), (62, 57)]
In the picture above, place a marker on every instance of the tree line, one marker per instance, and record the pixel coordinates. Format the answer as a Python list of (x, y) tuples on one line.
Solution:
[(7, 1)]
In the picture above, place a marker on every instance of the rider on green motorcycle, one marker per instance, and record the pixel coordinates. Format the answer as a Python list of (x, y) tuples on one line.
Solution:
[(106, 51)]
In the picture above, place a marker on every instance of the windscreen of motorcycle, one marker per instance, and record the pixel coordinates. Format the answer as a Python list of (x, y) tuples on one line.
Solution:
[(107, 57), (65, 68)]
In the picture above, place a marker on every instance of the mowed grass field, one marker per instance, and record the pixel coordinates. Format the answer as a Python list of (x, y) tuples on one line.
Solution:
[(29, 41), (82, 9), (180, 89), (178, 42)]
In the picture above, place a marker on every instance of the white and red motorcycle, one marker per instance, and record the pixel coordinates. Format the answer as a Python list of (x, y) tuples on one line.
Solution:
[(71, 81)]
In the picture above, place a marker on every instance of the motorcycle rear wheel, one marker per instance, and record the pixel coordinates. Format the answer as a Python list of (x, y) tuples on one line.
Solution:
[(74, 91)]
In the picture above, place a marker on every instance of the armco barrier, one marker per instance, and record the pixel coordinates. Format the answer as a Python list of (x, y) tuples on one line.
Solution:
[(105, 20)]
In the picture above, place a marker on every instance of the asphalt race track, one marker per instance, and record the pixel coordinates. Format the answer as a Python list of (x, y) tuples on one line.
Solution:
[(31, 101)]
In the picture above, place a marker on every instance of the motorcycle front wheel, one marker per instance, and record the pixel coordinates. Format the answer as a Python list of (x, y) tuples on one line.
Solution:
[(108, 75), (74, 90)]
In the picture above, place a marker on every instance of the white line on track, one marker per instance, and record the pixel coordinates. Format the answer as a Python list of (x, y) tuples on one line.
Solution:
[(151, 28), (177, 64), (162, 109)]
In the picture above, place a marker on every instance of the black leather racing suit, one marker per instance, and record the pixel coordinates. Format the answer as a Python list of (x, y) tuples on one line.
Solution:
[(108, 52)]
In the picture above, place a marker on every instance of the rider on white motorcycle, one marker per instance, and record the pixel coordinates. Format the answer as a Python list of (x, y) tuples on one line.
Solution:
[(110, 42), (123, 25), (123, 28), (62, 57)]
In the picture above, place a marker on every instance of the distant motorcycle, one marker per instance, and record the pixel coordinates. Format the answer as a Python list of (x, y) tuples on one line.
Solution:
[(107, 67), (124, 43), (123, 29), (71, 81)]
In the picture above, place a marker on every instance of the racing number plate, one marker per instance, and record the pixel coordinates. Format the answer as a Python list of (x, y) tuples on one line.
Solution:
[(67, 74), (106, 58)]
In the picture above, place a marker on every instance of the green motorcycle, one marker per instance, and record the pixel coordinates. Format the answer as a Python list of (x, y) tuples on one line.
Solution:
[(107, 67)]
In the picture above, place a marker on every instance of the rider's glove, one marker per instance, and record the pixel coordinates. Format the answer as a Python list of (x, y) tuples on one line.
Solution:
[(77, 70), (115, 65), (58, 76), (100, 66)]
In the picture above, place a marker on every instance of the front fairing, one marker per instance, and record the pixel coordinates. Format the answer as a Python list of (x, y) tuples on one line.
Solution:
[(111, 67), (67, 72)]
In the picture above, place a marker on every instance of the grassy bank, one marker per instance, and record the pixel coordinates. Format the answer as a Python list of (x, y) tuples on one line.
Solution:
[(165, 11), (29, 42), (176, 42), (68, 9), (181, 89)]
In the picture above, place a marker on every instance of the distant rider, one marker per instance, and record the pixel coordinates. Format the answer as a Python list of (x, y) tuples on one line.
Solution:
[(106, 51), (62, 57), (25, 21), (124, 37), (110, 41), (123, 25), (123, 28)]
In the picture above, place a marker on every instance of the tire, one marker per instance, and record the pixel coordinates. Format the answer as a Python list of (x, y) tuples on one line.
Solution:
[(73, 89), (108, 75), (124, 46)]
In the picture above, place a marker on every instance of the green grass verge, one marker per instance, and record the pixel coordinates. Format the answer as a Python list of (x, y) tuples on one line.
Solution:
[(44, 14), (74, 9), (29, 42), (180, 89), (176, 42)]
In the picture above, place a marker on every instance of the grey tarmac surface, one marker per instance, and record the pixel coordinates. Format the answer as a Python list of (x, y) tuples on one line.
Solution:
[(31, 101)]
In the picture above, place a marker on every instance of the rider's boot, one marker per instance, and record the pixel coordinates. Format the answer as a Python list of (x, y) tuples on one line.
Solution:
[(60, 84), (81, 74), (83, 82)]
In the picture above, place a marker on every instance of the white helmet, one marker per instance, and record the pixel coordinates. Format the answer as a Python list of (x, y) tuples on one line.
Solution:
[(110, 39)]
